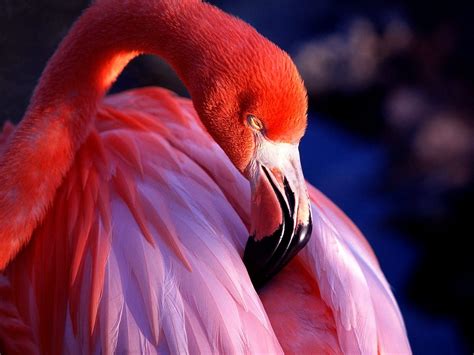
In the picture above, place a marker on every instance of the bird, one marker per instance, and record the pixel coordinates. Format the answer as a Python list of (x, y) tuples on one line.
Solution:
[(144, 222)]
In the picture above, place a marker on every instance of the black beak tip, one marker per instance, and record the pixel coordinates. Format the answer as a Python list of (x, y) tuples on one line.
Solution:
[(266, 257)]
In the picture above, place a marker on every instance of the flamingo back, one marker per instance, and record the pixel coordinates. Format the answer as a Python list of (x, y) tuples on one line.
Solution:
[(141, 250)]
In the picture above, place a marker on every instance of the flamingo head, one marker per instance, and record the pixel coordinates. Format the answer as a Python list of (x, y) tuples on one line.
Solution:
[(255, 107)]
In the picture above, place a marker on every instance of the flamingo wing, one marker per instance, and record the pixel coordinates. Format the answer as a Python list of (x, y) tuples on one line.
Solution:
[(141, 248), (351, 283), (333, 297)]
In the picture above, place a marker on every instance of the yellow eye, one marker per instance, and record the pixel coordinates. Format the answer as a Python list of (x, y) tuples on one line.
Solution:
[(254, 123)]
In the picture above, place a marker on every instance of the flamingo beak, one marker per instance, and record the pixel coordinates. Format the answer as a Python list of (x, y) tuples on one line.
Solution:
[(281, 215)]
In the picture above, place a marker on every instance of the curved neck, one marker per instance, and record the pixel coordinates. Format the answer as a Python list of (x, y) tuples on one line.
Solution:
[(198, 40), (108, 36)]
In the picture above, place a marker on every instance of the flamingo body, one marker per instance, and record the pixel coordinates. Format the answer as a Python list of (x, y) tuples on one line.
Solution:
[(123, 220), (141, 252)]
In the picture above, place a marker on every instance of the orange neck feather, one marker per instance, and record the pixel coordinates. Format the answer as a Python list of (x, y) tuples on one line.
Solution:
[(216, 56), (225, 64)]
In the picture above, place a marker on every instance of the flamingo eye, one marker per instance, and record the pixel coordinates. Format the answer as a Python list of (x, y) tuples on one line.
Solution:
[(254, 123)]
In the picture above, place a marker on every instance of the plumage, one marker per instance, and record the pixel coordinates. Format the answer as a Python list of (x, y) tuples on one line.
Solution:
[(124, 230), (169, 274)]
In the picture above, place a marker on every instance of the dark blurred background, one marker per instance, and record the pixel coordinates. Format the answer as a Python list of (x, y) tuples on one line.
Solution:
[(390, 138)]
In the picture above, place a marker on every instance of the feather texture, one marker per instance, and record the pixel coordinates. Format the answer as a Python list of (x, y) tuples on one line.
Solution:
[(141, 244), (142, 249), (352, 284)]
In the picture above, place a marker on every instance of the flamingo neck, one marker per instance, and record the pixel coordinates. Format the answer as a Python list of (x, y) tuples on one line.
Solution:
[(197, 39), (108, 36)]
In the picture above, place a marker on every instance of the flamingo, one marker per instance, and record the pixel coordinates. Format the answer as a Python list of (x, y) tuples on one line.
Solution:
[(124, 219)]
